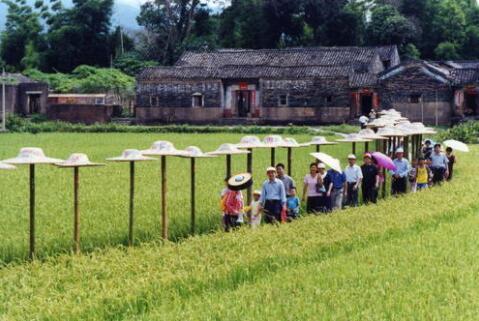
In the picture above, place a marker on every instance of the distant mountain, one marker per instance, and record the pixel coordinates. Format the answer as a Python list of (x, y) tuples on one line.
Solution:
[(124, 13)]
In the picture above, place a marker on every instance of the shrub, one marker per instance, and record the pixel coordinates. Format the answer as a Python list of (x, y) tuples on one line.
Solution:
[(466, 132)]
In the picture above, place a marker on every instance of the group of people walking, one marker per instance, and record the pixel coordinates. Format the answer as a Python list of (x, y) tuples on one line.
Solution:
[(325, 191)]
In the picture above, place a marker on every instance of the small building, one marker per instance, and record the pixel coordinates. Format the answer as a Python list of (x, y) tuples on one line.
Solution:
[(83, 108), (24, 96), (297, 85)]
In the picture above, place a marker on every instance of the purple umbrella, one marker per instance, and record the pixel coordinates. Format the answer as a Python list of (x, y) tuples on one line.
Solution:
[(384, 161)]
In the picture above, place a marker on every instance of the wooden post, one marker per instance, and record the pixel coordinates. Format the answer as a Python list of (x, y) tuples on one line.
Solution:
[(366, 147), (354, 148), (228, 166), (249, 169), (76, 211), (406, 148), (290, 154), (132, 203), (273, 157), (164, 213), (193, 196), (385, 147), (318, 148), (32, 212)]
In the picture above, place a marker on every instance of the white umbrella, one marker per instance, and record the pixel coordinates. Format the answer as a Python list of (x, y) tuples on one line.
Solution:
[(457, 145), (328, 160)]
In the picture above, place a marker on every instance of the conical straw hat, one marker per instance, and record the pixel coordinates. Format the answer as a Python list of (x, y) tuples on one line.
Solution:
[(320, 140), (353, 138), (78, 160), (390, 132), (4, 166), (250, 142), (163, 148), (196, 152), (290, 142), (31, 155), (228, 149), (131, 155), (370, 134), (273, 141)]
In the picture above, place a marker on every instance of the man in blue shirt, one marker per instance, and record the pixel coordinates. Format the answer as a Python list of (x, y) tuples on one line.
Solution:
[(337, 188), (400, 174), (273, 197)]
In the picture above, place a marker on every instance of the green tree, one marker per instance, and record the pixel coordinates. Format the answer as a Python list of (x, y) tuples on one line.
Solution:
[(411, 52), (447, 51), (449, 23), (79, 35), (388, 26)]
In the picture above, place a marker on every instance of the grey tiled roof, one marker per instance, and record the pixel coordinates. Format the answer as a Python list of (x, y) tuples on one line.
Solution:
[(17, 78), (465, 76), (225, 72), (315, 56), (363, 80)]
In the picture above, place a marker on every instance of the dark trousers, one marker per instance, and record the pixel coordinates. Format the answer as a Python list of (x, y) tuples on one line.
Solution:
[(399, 185), (230, 222), (438, 175), (352, 197), (318, 204), (370, 194), (272, 211)]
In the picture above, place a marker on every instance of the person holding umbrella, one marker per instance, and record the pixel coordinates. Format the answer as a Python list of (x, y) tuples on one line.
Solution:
[(337, 188), (370, 182), (131, 156), (76, 161), (439, 165), (273, 197), (400, 174), (451, 157), (32, 156)]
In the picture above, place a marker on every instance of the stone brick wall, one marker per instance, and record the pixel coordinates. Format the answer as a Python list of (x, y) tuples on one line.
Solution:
[(178, 94), (325, 92), (86, 114), (203, 115), (398, 91)]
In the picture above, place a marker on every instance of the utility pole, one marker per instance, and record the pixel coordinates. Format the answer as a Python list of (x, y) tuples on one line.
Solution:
[(4, 114)]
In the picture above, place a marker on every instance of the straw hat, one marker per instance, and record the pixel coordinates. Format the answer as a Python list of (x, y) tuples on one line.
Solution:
[(130, 155), (370, 134), (163, 148), (77, 160), (274, 141), (292, 143), (257, 192), (195, 152), (250, 142), (352, 156), (240, 182), (354, 138), (320, 140), (390, 132), (271, 169), (4, 166), (228, 149), (31, 155), (422, 129)]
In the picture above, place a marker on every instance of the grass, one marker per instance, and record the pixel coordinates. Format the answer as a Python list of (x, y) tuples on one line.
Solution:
[(412, 258), (104, 191)]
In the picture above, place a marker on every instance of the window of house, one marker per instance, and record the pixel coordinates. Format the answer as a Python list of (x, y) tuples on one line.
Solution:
[(283, 100), (153, 101), (99, 101), (198, 100), (387, 64), (329, 99), (415, 98)]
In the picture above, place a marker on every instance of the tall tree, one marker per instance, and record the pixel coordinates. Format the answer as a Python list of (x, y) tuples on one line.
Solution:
[(79, 35)]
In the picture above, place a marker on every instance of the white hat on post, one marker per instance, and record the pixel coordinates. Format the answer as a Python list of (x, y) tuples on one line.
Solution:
[(4, 166), (163, 148), (78, 160), (130, 155), (31, 156), (228, 149)]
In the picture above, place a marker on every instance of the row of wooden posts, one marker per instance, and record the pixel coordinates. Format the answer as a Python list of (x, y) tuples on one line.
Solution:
[(386, 146)]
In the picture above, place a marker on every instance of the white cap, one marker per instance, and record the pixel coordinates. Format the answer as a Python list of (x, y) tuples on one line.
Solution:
[(351, 156), (270, 169), (321, 165), (400, 150)]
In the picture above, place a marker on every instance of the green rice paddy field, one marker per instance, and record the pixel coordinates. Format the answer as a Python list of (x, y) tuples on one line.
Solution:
[(412, 258)]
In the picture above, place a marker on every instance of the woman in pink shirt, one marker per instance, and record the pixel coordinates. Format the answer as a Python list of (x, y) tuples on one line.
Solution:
[(314, 190)]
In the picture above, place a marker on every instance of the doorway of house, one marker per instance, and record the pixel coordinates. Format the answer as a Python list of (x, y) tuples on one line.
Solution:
[(243, 102), (366, 104), (34, 103), (471, 108)]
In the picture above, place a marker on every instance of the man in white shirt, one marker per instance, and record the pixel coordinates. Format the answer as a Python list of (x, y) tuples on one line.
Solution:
[(439, 166), (354, 176)]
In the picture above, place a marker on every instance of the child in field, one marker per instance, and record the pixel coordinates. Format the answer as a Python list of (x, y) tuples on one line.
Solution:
[(255, 210), (233, 210), (452, 160), (293, 205), (412, 176), (423, 175)]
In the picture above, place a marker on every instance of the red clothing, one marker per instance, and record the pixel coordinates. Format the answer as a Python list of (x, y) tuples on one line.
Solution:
[(234, 202)]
